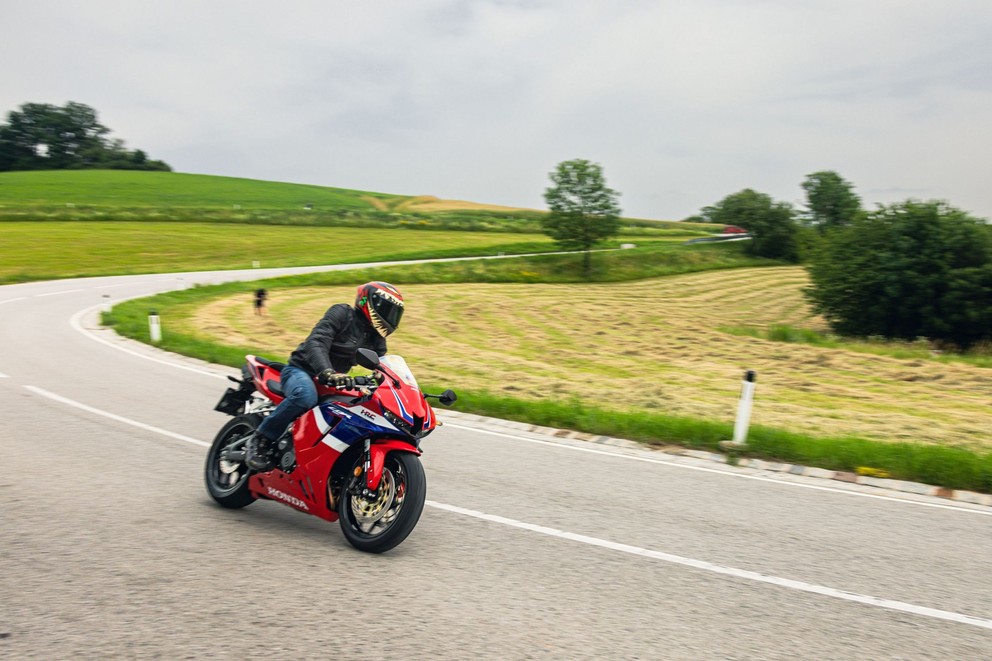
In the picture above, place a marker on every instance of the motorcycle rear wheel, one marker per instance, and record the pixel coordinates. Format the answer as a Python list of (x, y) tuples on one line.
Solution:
[(227, 481), (375, 525)]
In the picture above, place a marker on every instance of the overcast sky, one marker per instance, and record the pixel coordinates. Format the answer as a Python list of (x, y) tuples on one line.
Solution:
[(682, 102)]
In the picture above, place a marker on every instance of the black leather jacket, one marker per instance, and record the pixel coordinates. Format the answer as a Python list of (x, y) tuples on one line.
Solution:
[(334, 340)]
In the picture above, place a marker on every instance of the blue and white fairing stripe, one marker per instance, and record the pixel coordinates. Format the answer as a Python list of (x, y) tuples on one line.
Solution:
[(356, 424), (406, 415)]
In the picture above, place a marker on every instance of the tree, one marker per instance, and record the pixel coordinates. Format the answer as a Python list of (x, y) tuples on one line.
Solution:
[(584, 211), (42, 136), (772, 225), (831, 200), (910, 270), (705, 215)]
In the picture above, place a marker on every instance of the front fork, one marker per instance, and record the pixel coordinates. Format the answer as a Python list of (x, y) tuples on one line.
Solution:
[(370, 484)]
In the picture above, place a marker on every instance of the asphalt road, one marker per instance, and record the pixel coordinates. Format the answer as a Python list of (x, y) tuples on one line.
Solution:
[(530, 546)]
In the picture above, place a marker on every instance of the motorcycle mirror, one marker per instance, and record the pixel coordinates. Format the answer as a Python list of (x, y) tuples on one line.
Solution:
[(448, 397), (367, 358)]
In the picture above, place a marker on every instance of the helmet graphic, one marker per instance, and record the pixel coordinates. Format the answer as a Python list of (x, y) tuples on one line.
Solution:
[(382, 304)]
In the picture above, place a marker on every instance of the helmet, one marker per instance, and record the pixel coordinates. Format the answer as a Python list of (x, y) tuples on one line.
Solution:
[(382, 304)]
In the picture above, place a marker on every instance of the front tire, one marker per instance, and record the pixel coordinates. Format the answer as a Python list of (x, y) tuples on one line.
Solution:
[(227, 480), (379, 523)]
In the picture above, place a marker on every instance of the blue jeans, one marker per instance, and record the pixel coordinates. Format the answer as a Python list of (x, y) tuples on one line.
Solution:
[(301, 396)]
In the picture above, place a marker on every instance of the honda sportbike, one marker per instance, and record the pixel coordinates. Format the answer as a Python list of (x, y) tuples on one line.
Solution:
[(353, 458)]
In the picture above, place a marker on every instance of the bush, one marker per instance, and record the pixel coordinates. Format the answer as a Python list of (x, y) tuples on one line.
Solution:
[(907, 271)]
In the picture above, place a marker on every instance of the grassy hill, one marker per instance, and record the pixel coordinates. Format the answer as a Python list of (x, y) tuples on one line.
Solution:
[(119, 188), (144, 222), (73, 195)]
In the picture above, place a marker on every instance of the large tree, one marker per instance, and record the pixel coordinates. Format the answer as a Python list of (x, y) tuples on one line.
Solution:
[(41, 136), (583, 209), (831, 200), (772, 225), (910, 270)]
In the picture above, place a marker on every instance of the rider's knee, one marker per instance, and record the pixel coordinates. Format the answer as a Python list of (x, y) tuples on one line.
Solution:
[(305, 398)]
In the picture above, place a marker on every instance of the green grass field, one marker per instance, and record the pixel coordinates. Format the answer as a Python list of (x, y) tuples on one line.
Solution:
[(35, 251), (124, 189)]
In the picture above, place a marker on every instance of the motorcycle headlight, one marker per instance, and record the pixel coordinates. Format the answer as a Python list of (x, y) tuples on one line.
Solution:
[(398, 422)]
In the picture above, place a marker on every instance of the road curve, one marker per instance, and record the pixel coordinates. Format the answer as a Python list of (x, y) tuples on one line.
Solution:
[(532, 546)]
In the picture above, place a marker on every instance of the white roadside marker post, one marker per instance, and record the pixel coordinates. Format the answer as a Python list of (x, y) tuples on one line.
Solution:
[(743, 414), (154, 327)]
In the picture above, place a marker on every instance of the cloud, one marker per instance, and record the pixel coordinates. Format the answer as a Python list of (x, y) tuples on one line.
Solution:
[(682, 102)]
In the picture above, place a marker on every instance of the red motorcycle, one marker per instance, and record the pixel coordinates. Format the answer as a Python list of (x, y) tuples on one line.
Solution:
[(355, 457)]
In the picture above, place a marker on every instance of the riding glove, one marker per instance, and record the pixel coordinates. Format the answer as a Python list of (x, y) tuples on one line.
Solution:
[(335, 379)]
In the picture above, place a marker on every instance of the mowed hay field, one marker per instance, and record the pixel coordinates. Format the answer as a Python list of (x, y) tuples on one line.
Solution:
[(652, 345)]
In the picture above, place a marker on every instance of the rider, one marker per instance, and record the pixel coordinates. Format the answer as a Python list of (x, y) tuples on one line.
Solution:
[(327, 355)]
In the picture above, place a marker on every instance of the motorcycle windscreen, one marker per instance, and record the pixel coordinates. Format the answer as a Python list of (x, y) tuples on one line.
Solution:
[(399, 367)]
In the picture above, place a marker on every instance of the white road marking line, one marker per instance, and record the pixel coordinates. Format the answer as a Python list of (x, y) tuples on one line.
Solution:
[(703, 469), (76, 324), (118, 418), (606, 544), (3, 376), (726, 571), (11, 300), (64, 291)]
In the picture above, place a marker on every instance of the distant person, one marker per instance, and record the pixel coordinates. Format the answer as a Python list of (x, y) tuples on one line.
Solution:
[(260, 296), (327, 355)]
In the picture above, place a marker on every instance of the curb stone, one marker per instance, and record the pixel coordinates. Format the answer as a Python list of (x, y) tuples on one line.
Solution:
[(903, 486)]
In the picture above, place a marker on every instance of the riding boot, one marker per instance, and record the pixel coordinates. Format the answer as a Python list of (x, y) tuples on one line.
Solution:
[(257, 453)]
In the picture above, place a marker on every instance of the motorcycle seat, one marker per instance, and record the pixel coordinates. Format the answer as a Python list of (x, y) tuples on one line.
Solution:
[(271, 364), (275, 387)]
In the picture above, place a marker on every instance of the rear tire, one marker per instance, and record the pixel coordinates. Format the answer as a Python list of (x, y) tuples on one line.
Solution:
[(379, 524), (227, 481)]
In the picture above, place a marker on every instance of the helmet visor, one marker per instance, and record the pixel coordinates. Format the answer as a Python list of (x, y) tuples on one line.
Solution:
[(386, 309)]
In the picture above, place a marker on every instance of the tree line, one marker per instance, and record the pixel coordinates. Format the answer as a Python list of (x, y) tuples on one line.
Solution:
[(911, 270), (41, 136)]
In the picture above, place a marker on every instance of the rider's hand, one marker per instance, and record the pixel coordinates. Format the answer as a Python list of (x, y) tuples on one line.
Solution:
[(335, 379)]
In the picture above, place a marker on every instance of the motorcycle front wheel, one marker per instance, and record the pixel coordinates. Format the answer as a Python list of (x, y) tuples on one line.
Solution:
[(226, 477), (378, 523)]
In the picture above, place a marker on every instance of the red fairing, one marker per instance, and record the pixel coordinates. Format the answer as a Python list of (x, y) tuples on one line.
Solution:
[(306, 487), (307, 432), (265, 377), (276, 485), (407, 403)]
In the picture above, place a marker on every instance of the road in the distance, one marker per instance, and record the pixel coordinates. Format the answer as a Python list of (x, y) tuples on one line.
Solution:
[(530, 546)]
